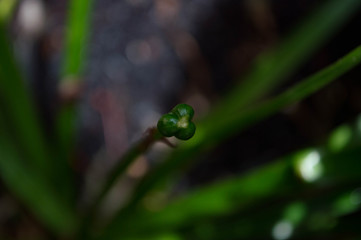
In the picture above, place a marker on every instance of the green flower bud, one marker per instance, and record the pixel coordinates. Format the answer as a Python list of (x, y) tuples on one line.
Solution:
[(186, 133), (178, 122), (167, 124), (183, 110)]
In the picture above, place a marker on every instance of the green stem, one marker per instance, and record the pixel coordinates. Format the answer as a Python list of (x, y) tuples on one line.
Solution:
[(151, 136)]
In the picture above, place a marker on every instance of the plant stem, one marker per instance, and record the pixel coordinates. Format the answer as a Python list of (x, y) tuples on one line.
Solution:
[(151, 136)]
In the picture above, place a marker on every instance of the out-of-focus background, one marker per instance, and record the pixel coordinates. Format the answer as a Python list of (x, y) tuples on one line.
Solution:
[(82, 81)]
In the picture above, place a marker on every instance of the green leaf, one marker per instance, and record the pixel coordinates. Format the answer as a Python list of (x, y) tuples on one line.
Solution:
[(27, 164), (32, 189), (340, 138), (273, 67), (18, 109), (76, 38), (77, 32)]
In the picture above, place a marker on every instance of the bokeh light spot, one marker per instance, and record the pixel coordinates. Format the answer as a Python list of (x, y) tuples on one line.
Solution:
[(310, 166), (356, 196), (282, 230), (340, 138), (138, 52), (295, 212), (348, 202), (32, 16)]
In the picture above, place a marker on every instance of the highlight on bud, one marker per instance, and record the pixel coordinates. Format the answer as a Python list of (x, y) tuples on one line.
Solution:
[(178, 122)]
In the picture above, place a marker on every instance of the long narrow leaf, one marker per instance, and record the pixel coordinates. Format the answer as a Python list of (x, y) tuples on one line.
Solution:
[(78, 24), (76, 38), (25, 158), (75, 49), (273, 67), (19, 109), (32, 189)]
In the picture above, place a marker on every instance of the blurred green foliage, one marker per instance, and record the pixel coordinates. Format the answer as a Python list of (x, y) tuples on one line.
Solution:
[(6, 9), (307, 193)]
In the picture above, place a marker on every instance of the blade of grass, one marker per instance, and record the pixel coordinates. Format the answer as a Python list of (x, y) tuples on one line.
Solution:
[(211, 135), (76, 38), (273, 67), (25, 164), (21, 119), (77, 31), (32, 189), (20, 110), (20, 116)]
